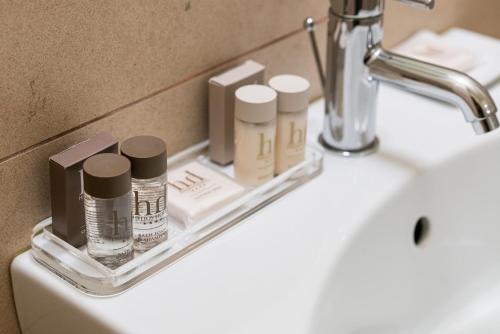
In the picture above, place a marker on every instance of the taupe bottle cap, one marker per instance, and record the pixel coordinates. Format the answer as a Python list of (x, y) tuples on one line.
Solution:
[(255, 104), (106, 175), (147, 154), (293, 92)]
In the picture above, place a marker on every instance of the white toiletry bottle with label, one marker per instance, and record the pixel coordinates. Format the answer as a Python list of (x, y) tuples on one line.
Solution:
[(255, 131), (293, 101)]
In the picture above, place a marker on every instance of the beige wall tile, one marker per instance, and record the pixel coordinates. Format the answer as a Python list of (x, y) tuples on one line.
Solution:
[(68, 62)]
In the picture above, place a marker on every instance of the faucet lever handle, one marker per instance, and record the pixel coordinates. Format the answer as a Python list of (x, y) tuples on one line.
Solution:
[(309, 27), (425, 4)]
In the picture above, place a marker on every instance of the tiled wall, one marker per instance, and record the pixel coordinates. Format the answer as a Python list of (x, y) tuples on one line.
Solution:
[(71, 69)]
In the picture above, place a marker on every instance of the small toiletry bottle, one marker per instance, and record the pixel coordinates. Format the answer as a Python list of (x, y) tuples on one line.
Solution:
[(148, 157), (293, 101), (255, 131), (107, 185)]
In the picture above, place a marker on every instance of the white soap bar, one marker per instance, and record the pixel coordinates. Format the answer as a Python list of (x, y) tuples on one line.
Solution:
[(195, 190), (432, 48)]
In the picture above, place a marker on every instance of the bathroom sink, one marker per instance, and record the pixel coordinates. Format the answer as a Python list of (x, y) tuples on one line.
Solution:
[(406, 240), (428, 260)]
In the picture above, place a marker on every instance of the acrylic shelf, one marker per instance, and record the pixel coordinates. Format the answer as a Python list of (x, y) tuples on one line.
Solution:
[(76, 267)]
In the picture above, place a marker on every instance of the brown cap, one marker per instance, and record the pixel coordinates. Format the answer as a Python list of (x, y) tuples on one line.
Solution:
[(106, 175), (147, 154)]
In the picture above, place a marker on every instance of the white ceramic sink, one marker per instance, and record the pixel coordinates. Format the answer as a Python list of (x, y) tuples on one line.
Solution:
[(443, 277)]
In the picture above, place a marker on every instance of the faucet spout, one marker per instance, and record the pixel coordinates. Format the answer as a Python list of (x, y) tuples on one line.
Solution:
[(355, 65), (437, 82)]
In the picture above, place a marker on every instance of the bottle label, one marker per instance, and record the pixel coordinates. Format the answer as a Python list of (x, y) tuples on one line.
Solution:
[(254, 152), (109, 229), (290, 140), (149, 213)]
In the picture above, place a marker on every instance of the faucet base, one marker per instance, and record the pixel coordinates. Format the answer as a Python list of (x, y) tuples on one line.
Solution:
[(370, 149)]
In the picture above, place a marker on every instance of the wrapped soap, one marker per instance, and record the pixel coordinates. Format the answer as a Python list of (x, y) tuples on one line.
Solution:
[(196, 190)]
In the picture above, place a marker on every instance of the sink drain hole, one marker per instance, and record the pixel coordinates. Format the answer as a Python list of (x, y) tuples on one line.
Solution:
[(421, 230)]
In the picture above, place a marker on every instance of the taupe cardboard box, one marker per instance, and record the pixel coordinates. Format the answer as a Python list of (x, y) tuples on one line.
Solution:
[(66, 186)]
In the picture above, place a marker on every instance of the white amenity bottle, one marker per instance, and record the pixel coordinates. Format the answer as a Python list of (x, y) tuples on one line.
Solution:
[(254, 132)]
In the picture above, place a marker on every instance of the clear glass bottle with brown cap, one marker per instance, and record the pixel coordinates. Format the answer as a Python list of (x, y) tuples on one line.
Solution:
[(293, 101), (148, 157), (107, 186), (254, 132)]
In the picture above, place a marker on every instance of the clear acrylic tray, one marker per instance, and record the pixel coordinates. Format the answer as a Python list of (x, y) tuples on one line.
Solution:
[(78, 268)]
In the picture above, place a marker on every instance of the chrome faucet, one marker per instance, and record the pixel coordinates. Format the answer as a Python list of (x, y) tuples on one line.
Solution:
[(357, 63)]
